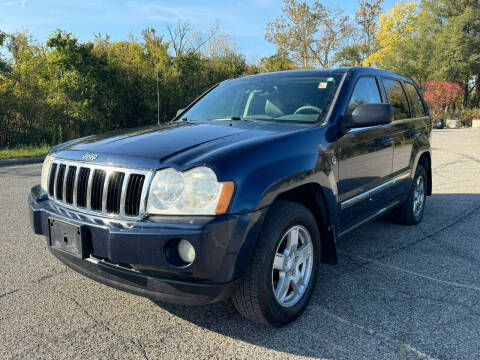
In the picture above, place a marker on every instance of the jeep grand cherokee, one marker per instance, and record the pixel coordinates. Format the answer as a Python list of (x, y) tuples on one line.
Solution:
[(244, 192)]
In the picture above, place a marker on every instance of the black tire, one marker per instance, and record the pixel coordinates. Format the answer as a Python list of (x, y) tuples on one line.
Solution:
[(255, 298), (405, 214)]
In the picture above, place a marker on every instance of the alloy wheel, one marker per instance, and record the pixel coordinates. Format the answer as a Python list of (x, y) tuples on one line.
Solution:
[(419, 196), (292, 266)]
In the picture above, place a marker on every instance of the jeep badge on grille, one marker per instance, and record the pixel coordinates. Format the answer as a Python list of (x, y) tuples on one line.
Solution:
[(90, 156)]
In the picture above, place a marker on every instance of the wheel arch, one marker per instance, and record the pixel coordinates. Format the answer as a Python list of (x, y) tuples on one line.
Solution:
[(425, 158), (313, 198)]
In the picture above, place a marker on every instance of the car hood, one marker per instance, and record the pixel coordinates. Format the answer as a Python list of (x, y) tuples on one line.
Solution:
[(155, 146)]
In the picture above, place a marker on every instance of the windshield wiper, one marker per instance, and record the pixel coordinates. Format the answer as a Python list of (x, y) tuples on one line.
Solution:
[(178, 120), (235, 118)]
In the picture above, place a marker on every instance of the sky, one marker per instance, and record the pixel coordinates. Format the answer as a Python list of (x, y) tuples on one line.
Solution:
[(243, 20)]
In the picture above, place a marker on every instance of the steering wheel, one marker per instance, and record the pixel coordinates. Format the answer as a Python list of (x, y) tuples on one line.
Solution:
[(303, 109)]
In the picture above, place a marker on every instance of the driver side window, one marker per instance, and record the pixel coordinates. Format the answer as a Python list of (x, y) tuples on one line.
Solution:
[(365, 92)]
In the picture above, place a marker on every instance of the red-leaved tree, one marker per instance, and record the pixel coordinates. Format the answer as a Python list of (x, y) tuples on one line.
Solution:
[(440, 95)]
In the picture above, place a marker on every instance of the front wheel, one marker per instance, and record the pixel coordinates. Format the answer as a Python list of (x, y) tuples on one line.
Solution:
[(280, 279)]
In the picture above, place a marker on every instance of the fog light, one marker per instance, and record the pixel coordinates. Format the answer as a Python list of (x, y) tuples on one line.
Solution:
[(186, 251)]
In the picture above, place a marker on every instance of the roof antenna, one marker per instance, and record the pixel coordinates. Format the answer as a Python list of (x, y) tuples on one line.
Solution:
[(158, 97)]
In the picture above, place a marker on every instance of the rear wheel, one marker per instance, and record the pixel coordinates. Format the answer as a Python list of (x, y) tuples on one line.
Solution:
[(280, 279), (411, 212)]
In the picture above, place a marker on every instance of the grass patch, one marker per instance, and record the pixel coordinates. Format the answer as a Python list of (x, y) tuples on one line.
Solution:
[(24, 151)]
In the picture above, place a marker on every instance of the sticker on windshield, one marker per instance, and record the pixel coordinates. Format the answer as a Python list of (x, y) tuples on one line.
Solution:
[(322, 84)]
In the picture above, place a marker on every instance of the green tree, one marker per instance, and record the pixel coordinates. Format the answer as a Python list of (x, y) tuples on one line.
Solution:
[(455, 29), (310, 34), (277, 62), (352, 55), (395, 27), (4, 66), (366, 17), (363, 42)]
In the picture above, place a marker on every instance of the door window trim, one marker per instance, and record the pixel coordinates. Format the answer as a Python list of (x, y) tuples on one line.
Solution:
[(387, 100), (425, 108), (382, 100), (355, 86)]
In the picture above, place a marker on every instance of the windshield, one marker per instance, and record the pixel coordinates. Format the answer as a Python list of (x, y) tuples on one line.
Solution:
[(296, 98)]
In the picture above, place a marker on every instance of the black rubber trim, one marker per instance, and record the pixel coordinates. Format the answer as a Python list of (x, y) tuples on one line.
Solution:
[(166, 290)]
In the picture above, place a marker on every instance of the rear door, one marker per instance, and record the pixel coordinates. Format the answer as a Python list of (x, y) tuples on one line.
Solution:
[(409, 127), (365, 160), (403, 127)]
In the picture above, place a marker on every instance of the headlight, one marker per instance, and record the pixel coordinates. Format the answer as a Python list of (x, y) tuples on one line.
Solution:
[(166, 189), (45, 172), (194, 192)]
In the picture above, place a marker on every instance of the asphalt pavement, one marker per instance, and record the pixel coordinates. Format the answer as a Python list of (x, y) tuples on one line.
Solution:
[(397, 293)]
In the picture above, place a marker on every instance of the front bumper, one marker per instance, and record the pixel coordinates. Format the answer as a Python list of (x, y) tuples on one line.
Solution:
[(118, 249), (167, 290)]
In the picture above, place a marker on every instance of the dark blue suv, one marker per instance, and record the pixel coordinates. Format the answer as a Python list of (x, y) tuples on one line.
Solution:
[(244, 193)]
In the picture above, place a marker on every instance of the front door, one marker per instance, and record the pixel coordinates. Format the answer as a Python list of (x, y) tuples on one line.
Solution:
[(365, 161)]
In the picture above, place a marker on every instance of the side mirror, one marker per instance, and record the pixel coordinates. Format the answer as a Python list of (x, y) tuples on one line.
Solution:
[(368, 115), (179, 111)]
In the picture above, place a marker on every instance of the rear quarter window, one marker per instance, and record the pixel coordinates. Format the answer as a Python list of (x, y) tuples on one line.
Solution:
[(415, 100), (396, 96)]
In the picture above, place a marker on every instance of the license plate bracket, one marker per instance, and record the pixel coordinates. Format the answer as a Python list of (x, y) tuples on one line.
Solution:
[(67, 237)]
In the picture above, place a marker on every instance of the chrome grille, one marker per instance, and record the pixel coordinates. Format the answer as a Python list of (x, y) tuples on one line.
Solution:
[(134, 188), (59, 185), (98, 183), (72, 170), (51, 179), (82, 184), (99, 189), (114, 191)]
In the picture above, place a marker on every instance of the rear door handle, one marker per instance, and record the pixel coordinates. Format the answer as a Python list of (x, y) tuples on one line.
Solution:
[(415, 132), (386, 141)]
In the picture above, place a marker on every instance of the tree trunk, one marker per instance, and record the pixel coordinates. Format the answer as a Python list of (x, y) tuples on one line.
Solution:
[(477, 92), (466, 93)]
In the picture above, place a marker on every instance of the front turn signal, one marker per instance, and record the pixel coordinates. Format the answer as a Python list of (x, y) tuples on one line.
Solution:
[(225, 197)]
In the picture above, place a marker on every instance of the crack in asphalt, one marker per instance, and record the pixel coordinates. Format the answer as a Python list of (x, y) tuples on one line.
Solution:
[(400, 345), (469, 157), (9, 292), (138, 344), (469, 309), (390, 282), (33, 282), (451, 283), (402, 348), (436, 170), (461, 218)]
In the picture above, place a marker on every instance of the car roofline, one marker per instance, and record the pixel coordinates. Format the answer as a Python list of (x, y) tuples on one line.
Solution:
[(339, 71)]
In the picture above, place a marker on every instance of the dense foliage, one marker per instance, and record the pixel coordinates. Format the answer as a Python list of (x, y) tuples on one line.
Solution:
[(66, 88), (428, 40), (441, 95)]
